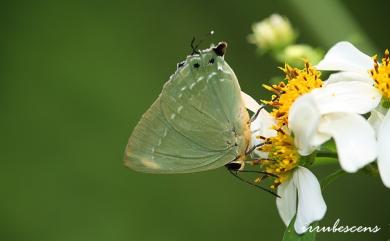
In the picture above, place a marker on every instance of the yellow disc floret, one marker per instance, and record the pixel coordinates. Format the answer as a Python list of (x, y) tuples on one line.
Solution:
[(282, 154), (282, 157), (381, 74), (299, 82)]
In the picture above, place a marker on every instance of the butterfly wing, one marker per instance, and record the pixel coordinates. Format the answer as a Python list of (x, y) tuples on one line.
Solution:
[(197, 123), (156, 147)]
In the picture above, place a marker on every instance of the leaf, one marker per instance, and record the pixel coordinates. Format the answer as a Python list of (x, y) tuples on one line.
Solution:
[(291, 235)]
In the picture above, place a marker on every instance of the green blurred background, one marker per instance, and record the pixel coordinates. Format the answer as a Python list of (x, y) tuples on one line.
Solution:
[(76, 76)]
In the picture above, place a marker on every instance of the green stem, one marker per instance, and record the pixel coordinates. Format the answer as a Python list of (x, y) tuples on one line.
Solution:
[(326, 157), (331, 178), (327, 154), (325, 161), (371, 169)]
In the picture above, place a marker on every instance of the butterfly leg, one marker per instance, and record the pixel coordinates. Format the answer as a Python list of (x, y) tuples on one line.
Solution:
[(235, 174), (253, 148)]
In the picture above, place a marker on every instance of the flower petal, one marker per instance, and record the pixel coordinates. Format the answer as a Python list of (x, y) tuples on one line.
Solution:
[(349, 76), (249, 102), (355, 139), (376, 119), (344, 56), (384, 150), (311, 204), (346, 96), (287, 203), (303, 120), (262, 126)]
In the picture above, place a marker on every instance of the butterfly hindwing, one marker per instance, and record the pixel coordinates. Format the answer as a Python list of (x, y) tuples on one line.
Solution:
[(156, 147)]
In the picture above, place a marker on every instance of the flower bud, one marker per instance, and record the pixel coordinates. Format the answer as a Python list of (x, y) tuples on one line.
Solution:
[(273, 33), (294, 54)]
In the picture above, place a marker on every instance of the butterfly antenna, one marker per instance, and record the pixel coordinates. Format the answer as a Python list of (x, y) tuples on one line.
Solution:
[(195, 47), (252, 184), (253, 118)]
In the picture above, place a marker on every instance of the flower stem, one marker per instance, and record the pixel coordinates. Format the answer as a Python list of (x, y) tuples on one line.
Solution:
[(325, 161), (331, 178), (325, 157), (328, 154)]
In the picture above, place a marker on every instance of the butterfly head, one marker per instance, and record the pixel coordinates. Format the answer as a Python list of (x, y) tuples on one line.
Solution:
[(210, 58)]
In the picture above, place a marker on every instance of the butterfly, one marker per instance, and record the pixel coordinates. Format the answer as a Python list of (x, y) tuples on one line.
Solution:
[(198, 122)]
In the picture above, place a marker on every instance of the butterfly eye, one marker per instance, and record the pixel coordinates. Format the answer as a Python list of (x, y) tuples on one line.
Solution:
[(196, 65), (211, 61), (233, 166)]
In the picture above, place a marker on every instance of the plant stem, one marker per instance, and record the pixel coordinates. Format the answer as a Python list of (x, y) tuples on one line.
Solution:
[(325, 157), (325, 161), (331, 178), (327, 154)]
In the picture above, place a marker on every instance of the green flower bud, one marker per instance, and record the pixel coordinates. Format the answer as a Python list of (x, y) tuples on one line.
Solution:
[(273, 33), (294, 54)]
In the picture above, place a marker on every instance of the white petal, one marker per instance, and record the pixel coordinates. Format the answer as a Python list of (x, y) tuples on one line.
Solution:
[(320, 138), (262, 126), (376, 119), (287, 203), (303, 120), (348, 96), (249, 102), (355, 139), (311, 204), (344, 56), (384, 150), (349, 76)]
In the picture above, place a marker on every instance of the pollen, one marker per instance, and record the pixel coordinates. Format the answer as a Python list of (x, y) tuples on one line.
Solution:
[(381, 74), (298, 82), (282, 157)]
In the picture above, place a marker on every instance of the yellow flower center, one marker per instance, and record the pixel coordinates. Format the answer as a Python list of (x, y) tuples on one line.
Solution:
[(299, 82), (282, 154), (381, 74), (282, 157)]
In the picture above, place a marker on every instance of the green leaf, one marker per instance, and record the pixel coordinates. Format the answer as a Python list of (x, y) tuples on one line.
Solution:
[(291, 235)]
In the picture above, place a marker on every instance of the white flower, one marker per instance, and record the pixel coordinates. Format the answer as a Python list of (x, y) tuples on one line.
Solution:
[(311, 206), (355, 66), (334, 111), (272, 33)]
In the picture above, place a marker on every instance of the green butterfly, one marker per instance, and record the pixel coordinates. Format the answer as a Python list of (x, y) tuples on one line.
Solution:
[(199, 121)]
